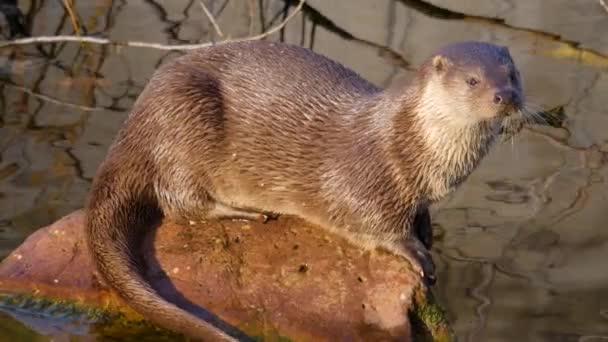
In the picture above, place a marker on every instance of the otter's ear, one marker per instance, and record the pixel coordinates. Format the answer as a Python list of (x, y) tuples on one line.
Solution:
[(440, 63)]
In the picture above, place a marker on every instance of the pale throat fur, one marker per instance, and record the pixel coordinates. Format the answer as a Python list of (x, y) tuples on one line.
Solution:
[(451, 141)]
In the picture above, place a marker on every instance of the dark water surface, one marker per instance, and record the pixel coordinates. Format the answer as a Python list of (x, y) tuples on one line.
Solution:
[(522, 247)]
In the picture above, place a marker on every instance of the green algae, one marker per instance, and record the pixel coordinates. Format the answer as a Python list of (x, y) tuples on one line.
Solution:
[(53, 308), (107, 322), (79, 318), (427, 318), (260, 332)]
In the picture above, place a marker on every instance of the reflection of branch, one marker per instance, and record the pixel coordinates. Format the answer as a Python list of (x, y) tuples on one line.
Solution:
[(428, 9), (318, 18), (278, 27), (51, 99), (105, 41), (216, 27), (68, 8), (251, 8), (603, 3)]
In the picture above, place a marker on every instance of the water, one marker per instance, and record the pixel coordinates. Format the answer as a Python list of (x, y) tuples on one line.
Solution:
[(521, 246)]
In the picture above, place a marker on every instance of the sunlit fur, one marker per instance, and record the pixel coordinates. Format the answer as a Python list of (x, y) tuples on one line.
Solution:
[(270, 127)]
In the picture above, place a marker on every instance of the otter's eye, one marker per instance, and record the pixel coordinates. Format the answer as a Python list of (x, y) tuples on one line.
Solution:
[(472, 81)]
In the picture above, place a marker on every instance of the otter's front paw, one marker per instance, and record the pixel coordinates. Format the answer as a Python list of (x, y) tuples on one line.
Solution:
[(418, 255)]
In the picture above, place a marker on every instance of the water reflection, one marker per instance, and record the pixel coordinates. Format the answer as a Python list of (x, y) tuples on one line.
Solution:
[(521, 247)]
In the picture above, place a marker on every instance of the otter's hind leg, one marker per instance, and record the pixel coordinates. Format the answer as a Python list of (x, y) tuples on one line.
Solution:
[(193, 202), (222, 211)]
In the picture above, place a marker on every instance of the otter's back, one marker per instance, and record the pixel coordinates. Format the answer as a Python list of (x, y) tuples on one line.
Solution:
[(259, 114)]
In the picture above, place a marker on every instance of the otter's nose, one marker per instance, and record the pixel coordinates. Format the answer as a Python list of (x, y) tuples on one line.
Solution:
[(505, 97)]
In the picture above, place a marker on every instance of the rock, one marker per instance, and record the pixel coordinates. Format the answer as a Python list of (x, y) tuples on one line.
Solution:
[(283, 278)]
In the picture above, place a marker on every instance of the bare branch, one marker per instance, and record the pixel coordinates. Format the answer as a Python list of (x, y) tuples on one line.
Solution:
[(105, 41), (51, 99), (603, 3), (216, 27)]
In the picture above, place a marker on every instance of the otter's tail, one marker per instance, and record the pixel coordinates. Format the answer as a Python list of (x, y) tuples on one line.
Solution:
[(117, 218)]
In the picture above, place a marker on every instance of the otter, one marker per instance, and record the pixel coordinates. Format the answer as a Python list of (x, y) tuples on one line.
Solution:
[(247, 130)]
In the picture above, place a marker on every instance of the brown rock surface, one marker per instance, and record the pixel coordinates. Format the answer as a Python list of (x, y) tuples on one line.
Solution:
[(283, 277)]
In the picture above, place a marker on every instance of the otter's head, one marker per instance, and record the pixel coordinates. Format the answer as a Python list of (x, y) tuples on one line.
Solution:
[(465, 94), (473, 82)]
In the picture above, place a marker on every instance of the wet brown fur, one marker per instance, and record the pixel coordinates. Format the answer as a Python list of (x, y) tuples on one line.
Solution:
[(269, 128)]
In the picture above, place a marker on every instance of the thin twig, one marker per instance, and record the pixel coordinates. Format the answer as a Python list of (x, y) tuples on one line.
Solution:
[(51, 99), (105, 41), (68, 7), (603, 3), (216, 27)]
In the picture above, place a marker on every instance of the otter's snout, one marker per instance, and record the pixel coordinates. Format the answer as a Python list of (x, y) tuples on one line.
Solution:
[(508, 99), (505, 97)]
